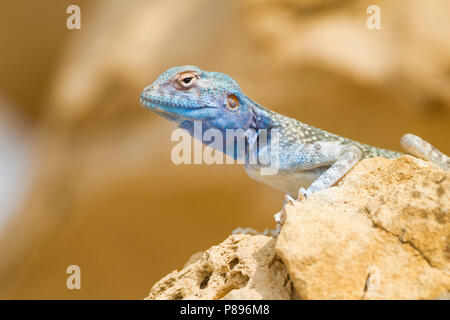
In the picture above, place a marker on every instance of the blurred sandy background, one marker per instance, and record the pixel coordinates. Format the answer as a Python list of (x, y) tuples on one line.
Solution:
[(85, 171)]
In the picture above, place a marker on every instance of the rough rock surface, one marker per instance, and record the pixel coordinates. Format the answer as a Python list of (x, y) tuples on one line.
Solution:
[(382, 233), (241, 267)]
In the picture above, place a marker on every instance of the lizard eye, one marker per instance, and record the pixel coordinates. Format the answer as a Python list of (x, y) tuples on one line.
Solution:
[(186, 80), (232, 102)]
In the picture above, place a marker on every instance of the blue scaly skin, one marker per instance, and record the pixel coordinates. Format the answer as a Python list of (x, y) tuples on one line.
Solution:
[(308, 159)]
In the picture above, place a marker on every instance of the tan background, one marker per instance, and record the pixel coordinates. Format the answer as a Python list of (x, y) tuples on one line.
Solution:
[(105, 195)]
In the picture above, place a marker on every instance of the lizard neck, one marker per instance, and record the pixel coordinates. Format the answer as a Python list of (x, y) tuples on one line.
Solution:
[(261, 126), (261, 117)]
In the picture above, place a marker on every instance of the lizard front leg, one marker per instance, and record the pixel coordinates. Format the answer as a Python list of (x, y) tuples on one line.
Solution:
[(307, 158), (349, 156)]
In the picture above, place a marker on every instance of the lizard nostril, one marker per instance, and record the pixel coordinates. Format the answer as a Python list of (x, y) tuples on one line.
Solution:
[(148, 89)]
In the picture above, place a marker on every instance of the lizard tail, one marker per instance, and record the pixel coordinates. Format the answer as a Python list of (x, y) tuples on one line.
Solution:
[(424, 150)]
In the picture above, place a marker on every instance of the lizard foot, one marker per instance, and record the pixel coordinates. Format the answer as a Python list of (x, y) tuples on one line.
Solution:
[(288, 200), (280, 217), (246, 231), (274, 232), (302, 194)]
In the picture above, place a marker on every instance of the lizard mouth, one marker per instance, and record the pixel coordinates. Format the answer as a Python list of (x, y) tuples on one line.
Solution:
[(162, 104), (172, 109), (156, 104)]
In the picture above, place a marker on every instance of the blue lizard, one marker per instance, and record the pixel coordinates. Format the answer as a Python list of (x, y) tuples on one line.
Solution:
[(308, 159)]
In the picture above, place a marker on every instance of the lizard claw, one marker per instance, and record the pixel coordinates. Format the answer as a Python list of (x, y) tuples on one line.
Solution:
[(280, 217), (289, 199), (302, 194), (274, 232), (246, 231), (271, 233)]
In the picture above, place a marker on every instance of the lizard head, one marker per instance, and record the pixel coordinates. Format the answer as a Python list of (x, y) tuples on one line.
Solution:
[(187, 93)]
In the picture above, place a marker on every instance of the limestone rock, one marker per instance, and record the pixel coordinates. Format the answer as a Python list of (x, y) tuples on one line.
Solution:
[(382, 233), (241, 267)]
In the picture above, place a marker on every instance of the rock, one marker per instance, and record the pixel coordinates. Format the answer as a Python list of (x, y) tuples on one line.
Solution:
[(382, 233), (241, 267)]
